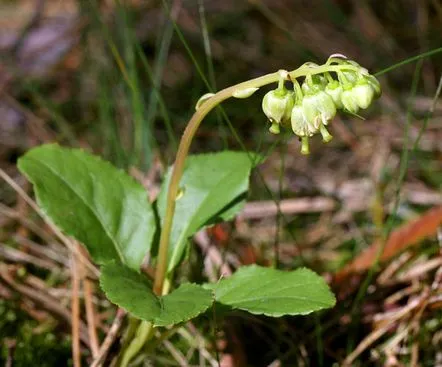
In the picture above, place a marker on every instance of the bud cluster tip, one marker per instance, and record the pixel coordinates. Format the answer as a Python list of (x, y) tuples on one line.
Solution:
[(310, 107)]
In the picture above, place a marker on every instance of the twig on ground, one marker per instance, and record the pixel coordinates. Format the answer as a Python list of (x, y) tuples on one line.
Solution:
[(23, 209), (376, 334), (268, 208), (44, 251), (75, 310), (11, 254), (175, 353), (420, 269), (15, 215), (110, 338), (196, 340), (88, 288)]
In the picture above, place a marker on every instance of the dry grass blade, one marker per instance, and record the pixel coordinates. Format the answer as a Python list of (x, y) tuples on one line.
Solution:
[(175, 353), (56, 254), (197, 341), (75, 311), (88, 288), (110, 338), (269, 208), (12, 254), (15, 215), (376, 334)]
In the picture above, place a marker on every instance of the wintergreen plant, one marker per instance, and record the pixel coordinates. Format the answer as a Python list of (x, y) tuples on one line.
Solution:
[(109, 213)]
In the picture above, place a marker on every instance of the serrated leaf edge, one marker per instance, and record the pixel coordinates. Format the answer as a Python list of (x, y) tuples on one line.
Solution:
[(279, 314), (161, 307)]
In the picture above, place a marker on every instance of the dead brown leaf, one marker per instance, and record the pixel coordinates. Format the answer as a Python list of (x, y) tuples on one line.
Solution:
[(405, 236)]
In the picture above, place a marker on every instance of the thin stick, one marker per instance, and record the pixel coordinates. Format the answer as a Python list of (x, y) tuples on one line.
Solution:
[(75, 311), (15, 255), (268, 208), (110, 338), (375, 335), (56, 255), (15, 215), (88, 288)]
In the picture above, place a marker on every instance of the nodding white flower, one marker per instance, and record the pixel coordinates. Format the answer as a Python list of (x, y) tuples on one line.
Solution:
[(361, 71), (348, 77), (363, 93), (277, 106), (334, 90), (310, 107), (300, 125), (349, 101), (314, 84), (319, 108), (374, 83)]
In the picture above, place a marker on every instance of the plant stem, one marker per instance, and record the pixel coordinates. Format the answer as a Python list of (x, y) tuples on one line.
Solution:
[(143, 334), (186, 141)]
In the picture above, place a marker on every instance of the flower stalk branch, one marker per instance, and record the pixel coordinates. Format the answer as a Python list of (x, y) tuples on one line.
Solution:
[(189, 133)]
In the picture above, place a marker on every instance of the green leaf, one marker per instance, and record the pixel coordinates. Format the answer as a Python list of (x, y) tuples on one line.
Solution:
[(213, 188), (92, 201), (272, 292), (133, 292)]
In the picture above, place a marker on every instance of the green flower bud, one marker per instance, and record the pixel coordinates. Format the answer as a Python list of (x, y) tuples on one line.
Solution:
[(374, 83), (300, 125), (334, 90), (244, 93), (315, 84), (277, 105), (319, 109), (308, 90), (362, 70), (203, 99), (288, 108), (349, 101), (310, 64), (363, 93), (351, 77)]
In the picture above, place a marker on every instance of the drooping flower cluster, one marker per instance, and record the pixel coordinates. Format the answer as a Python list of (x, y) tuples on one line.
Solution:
[(311, 106)]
